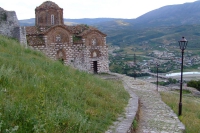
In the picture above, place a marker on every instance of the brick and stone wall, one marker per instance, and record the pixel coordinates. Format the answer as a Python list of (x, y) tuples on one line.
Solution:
[(76, 55), (48, 14)]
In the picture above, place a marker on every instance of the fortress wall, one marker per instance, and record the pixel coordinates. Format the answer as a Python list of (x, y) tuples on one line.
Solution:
[(8, 22), (9, 26), (20, 34)]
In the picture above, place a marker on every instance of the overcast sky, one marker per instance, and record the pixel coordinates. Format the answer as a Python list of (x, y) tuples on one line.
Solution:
[(25, 9)]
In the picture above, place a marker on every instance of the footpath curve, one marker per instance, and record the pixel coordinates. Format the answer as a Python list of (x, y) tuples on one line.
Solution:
[(155, 115), (123, 123)]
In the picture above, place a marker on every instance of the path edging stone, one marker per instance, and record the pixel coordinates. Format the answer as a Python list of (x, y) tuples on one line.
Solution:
[(124, 123)]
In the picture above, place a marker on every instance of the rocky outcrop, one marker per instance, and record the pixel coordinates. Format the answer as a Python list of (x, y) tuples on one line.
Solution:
[(9, 26), (8, 22)]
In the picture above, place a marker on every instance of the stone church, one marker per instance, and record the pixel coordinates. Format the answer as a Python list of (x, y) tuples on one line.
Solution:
[(80, 46)]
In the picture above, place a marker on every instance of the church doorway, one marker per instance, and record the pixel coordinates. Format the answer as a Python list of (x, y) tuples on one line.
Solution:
[(95, 68), (61, 56)]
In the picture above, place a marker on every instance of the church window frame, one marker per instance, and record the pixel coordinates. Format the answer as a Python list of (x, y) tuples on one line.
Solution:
[(94, 42), (94, 54), (52, 19), (58, 38)]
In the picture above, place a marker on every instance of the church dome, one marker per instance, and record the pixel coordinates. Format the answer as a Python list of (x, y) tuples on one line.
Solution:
[(48, 14), (47, 5)]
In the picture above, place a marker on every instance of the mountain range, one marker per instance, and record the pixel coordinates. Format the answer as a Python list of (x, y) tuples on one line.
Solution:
[(164, 25)]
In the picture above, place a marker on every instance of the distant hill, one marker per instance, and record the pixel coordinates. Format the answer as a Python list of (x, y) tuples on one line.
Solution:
[(88, 21), (157, 36), (27, 22), (172, 15), (166, 23), (173, 20)]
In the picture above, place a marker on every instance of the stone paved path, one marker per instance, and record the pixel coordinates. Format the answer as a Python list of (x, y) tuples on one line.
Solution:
[(155, 115)]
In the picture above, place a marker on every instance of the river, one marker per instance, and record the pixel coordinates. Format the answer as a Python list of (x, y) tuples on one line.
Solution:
[(184, 73), (186, 76)]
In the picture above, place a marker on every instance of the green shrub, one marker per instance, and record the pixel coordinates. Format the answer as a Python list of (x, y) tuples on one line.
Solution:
[(194, 84)]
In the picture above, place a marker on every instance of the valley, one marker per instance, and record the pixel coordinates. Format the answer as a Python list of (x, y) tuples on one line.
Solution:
[(147, 56)]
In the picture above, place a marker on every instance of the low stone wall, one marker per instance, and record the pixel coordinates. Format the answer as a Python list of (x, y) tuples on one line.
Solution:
[(124, 122)]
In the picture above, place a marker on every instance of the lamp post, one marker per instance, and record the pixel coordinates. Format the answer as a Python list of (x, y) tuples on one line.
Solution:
[(157, 74), (182, 43), (135, 66)]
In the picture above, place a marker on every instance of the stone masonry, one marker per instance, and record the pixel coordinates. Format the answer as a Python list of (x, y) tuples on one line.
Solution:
[(80, 46), (9, 26)]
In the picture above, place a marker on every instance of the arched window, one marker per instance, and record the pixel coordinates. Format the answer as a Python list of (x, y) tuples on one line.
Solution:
[(94, 54), (52, 19), (94, 41), (58, 38)]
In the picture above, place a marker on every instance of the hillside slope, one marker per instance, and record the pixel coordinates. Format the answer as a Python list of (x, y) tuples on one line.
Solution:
[(172, 15), (41, 95), (166, 23), (156, 35)]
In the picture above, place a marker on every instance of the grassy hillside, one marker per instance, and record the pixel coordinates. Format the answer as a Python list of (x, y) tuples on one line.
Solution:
[(41, 95), (150, 36)]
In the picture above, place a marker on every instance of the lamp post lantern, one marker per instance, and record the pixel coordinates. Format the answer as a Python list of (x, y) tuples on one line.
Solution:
[(182, 44)]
